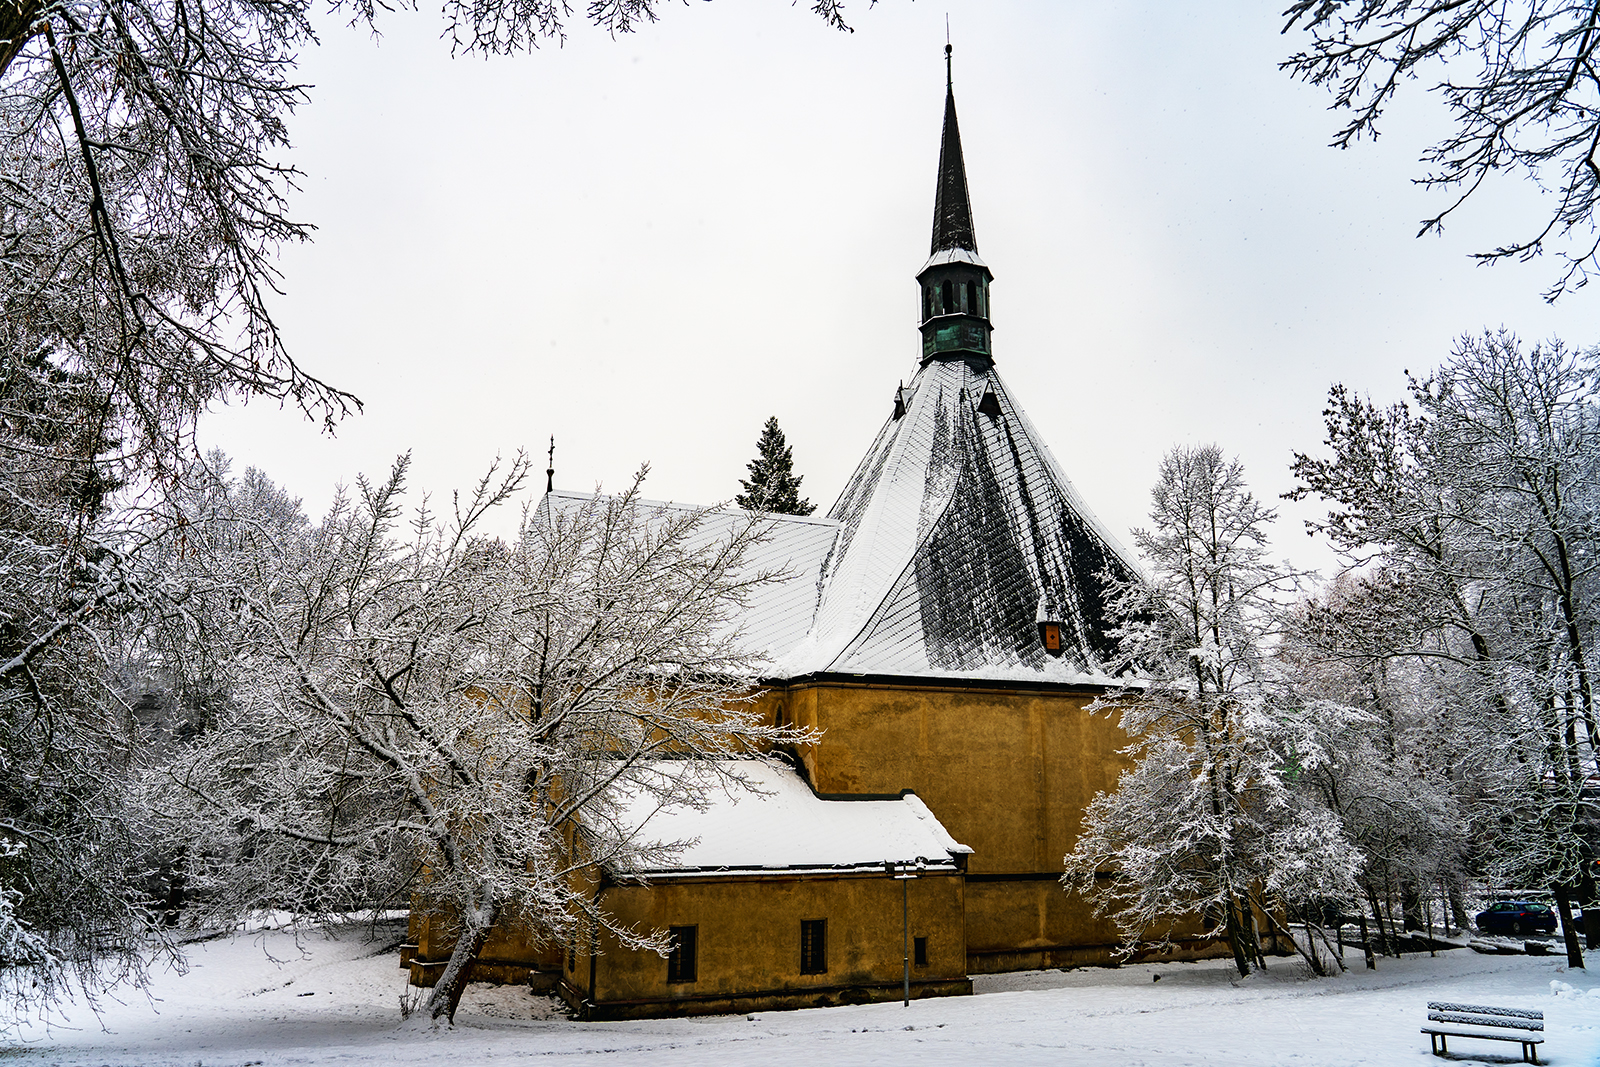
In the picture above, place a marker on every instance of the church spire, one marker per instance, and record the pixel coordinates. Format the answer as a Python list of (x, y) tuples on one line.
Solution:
[(952, 208), (954, 281)]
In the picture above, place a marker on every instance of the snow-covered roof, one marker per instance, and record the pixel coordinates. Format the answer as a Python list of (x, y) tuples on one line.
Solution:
[(779, 614), (955, 537), (958, 534), (952, 255), (779, 824)]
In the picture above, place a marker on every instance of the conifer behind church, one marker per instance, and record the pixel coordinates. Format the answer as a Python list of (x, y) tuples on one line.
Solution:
[(773, 486)]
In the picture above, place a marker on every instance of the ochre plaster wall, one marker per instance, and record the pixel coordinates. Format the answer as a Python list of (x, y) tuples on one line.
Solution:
[(1008, 772), (749, 938)]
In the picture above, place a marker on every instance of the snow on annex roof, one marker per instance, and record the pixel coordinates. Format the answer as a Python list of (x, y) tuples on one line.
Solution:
[(781, 825)]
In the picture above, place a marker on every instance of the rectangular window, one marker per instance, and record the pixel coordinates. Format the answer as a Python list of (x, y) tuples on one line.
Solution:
[(683, 963), (813, 946), (919, 951)]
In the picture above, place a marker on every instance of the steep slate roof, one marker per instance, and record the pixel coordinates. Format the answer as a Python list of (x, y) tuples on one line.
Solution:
[(952, 208), (958, 533)]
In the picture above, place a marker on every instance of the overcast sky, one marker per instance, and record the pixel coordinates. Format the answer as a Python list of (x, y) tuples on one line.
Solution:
[(645, 246)]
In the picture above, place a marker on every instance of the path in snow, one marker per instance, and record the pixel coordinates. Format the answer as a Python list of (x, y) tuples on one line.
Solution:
[(268, 1000)]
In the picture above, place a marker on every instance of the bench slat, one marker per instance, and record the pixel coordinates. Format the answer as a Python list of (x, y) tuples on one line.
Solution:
[(1482, 1009), (1485, 1037), (1478, 1020)]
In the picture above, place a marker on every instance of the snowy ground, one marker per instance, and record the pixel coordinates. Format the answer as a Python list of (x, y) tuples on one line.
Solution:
[(264, 1000)]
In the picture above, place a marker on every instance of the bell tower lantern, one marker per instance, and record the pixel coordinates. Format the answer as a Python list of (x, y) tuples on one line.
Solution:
[(954, 283)]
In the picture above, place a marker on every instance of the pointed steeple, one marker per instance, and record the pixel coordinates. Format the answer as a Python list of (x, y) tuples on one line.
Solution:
[(952, 208), (954, 281)]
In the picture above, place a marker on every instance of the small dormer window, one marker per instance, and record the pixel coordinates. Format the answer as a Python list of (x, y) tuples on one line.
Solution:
[(1050, 636)]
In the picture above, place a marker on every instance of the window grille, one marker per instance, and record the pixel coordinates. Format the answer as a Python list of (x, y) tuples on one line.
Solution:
[(683, 963), (813, 946)]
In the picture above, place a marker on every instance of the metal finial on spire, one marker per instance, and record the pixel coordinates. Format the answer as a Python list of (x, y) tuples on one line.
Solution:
[(550, 471), (948, 81)]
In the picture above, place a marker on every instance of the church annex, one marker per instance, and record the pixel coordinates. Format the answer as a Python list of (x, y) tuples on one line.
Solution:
[(944, 634)]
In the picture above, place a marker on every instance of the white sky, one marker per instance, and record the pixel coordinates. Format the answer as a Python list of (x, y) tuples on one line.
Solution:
[(647, 245)]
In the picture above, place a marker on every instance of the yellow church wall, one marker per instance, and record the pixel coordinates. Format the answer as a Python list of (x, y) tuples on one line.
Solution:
[(1008, 772), (748, 944)]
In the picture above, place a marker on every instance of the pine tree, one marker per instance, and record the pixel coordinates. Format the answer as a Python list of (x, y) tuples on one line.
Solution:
[(773, 486)]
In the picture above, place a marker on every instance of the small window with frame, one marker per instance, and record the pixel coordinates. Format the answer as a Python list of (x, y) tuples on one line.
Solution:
[(683, 963), (813, 946), (919, 951)]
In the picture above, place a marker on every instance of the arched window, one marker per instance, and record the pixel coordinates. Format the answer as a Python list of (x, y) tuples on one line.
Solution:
[(949, 298), (927, 301), (972, 298)]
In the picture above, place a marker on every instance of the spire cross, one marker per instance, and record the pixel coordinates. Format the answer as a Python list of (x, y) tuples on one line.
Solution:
[(550, 471), (948, 81)]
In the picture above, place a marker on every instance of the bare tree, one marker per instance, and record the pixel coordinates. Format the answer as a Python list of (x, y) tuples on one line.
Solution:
[(1519, 80), (1482, 508), (143, 198), (418, 706), (1204, 825), (1392, 774)]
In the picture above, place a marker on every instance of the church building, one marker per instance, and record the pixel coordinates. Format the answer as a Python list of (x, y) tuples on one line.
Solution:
[(944, 634)]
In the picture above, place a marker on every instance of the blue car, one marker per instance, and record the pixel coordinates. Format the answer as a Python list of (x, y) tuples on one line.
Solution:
[(1517, 917)]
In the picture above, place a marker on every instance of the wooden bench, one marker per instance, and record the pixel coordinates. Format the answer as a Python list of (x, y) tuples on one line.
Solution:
[(1525, 1019)]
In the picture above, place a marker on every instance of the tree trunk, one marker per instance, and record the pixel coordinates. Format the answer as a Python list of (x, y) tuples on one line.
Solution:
[(446, 995), (18, 26), (1377, 915), (1591, 909), (1366, 942), (1568, 932), (1458, 910), (1410, 906), (1236, 939)]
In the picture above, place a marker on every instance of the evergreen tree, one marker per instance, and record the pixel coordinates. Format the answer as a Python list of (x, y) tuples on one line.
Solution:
[(773, 486)]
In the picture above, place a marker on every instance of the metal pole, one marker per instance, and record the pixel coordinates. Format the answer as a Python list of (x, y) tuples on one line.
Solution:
[(905, 933)]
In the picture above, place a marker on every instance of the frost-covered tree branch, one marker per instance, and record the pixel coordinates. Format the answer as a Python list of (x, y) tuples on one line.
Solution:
[(1479, 512), (1519, 80), (1204, 822), (411, 695)]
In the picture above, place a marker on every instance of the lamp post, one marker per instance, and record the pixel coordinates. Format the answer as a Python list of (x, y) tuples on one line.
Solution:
[(905, 919)]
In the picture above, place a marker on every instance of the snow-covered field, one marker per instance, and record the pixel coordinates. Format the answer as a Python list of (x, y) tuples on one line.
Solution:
[(334, 999)]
